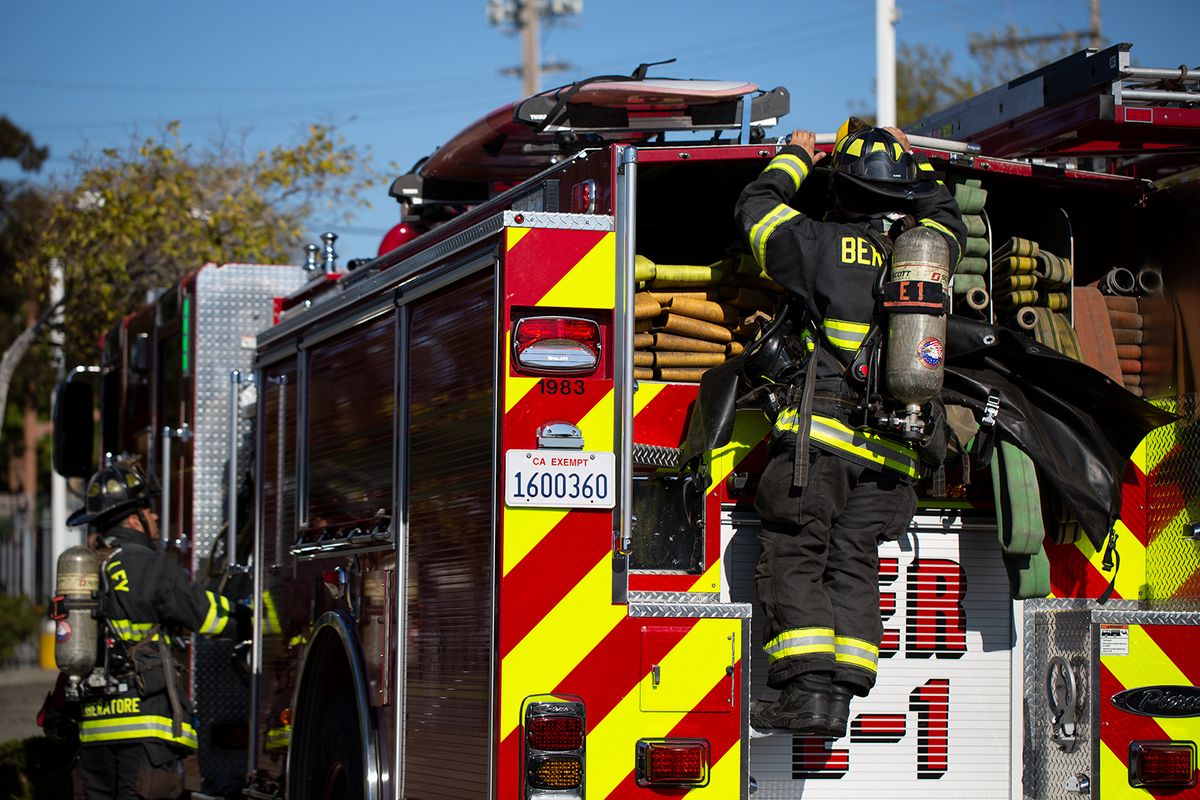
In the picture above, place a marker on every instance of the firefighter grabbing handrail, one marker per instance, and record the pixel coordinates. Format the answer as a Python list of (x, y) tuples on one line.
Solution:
[(136, 720), (844, 450)]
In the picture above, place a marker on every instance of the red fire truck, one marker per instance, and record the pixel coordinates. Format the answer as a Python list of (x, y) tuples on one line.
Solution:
[(480, 569)]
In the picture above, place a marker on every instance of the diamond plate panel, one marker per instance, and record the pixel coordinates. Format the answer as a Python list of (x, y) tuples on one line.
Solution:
[(652, 455), (550, 219), (1173, 505), (691, 610), (232, 301), (1058, 631)]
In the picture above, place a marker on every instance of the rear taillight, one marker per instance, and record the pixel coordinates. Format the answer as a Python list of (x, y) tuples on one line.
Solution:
[(1162, 764), (554, 737), (566, 345), (672, 762)]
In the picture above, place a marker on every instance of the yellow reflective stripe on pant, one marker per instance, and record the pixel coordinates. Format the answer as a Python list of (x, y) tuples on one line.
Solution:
[(217, 616), (791, 165), (856, 652), (128, 729), (763, 229), (865, 445), (845, 335), (800, 642)]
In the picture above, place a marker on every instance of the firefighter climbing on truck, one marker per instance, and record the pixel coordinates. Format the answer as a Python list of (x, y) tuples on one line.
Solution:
[(830, 492)]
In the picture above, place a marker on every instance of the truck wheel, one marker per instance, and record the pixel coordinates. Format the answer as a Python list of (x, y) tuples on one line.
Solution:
[(326, 762)]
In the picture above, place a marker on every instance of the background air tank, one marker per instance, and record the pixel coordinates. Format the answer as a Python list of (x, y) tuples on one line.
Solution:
[(76, 635)]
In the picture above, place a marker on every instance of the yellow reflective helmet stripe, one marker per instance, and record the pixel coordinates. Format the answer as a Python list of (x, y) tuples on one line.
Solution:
[(792, 165), (855, 148), (763, 229)]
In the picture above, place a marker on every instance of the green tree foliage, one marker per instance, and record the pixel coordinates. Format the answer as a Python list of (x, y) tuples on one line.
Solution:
[(23, 210), (139, 219), (927, 81), (19, 620)]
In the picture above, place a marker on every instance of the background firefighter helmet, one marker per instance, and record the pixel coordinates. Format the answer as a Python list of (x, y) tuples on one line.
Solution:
[(112, 494), (872, 170)]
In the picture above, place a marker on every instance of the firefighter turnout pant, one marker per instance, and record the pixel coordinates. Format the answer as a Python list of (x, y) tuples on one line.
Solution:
[(130, 771), (818, 570)]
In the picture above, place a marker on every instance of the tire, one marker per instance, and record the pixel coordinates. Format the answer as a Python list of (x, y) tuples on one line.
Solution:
[(326, 760)]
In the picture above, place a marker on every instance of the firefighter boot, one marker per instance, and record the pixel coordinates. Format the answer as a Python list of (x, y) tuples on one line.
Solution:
[(838, 711), (797, 709)]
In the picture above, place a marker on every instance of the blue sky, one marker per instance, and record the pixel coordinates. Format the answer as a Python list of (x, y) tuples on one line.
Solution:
[(401, 76)]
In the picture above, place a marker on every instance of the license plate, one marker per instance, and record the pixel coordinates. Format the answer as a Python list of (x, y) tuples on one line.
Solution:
[(559, 478)]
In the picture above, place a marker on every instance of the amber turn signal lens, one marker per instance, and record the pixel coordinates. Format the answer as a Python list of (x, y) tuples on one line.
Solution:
[(555, 773)]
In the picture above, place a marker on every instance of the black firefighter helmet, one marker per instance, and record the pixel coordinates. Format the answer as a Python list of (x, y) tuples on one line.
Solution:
[(112, 494), (873, 173)]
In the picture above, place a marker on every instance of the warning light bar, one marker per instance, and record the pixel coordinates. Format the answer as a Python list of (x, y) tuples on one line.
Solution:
[(566, 345), (1162, 764), (672, 762)]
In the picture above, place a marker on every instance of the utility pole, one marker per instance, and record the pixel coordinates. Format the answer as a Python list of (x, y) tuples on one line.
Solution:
[(885, 63), (1093, 36), (531, 47), (525, 17)]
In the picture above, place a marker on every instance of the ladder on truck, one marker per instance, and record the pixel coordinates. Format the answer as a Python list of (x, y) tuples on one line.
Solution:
[(1093, 104)]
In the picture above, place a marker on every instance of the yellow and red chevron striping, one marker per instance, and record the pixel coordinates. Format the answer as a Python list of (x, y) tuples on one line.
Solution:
[(1158, 655), (1076, 569), (559, 631), (539, 260), (725, 772)]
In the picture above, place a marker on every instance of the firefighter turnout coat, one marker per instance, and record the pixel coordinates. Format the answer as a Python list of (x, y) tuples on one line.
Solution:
[(832, 267), (148, 600)]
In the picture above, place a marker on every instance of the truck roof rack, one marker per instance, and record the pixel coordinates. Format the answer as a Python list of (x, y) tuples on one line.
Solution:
[(1090, 104), (519, 140)]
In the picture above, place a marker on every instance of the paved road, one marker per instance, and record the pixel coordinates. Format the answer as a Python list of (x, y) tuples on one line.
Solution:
[(21, 694)]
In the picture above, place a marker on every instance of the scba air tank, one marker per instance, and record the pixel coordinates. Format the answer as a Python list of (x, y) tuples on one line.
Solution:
[(76, 634), (915, 298)]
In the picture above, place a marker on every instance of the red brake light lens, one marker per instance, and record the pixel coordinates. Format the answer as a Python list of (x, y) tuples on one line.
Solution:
[(557, 344), (555, 733), (1162, 764), (672, 762)]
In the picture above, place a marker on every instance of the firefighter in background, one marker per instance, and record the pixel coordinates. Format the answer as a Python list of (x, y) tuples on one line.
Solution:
[(135, 732), (831, 489)]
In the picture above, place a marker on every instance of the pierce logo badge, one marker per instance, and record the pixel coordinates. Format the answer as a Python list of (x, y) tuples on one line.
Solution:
[(931, 352), (1160, 701)]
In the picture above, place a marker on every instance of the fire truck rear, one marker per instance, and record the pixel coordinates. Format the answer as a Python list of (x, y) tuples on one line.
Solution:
[(483, 571)]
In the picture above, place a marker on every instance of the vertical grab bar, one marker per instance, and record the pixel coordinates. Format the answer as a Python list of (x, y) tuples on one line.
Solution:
[(164, 520), (625, 228), (235, 384)]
